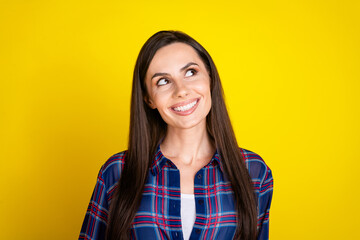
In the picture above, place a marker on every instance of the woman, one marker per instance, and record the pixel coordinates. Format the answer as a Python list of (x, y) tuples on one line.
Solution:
[(183, 175)]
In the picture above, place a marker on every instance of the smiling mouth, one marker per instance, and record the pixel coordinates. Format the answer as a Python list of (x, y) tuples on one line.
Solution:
[(187, 108)]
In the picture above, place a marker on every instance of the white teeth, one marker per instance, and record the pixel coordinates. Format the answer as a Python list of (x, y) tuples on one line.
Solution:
[(186, 107)]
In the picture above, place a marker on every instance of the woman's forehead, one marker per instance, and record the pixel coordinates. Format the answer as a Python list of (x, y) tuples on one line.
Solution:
[(173, 56)]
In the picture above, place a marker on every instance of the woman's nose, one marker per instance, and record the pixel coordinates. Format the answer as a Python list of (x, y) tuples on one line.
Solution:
[(181, 90)]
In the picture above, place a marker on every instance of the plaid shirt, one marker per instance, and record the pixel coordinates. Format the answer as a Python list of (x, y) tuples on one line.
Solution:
[(158, 216)]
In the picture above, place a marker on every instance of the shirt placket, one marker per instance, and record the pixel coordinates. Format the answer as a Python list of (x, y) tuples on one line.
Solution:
[(172, 202), (200, 204)]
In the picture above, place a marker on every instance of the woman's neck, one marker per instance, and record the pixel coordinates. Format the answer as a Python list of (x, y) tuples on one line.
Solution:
[(188, 145)]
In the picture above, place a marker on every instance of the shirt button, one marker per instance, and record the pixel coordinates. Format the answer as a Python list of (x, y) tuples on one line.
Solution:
[(199, 176), (176, 234), (201, 202), (197, 231)]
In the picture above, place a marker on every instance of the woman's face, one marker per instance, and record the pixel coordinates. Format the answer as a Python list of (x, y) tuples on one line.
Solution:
[(178, 86)]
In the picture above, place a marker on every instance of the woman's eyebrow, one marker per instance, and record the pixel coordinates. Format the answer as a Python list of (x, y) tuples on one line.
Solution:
[(182, 69), (159, 74), (188, 65)]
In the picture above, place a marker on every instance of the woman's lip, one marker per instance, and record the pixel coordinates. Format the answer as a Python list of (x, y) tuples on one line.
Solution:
[(187, 112), (184, 103)]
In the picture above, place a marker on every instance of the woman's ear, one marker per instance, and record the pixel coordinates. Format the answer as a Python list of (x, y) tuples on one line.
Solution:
[(149, 102)]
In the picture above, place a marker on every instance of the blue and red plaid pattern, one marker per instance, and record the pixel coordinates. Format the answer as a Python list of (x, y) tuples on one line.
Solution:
[(158, 216)]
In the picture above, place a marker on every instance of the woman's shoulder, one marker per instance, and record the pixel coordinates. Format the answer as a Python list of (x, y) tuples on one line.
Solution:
[(111, 170), (256, 166), (116, 160)]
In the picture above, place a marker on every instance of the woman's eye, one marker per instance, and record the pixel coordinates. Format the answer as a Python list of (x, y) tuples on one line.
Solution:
[(190, 72), (162, 81)]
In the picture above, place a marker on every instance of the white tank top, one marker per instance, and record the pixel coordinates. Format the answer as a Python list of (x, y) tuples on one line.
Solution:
[(188, 214)]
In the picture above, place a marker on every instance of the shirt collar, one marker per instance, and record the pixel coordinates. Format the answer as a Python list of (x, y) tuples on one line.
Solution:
[(160, 160)]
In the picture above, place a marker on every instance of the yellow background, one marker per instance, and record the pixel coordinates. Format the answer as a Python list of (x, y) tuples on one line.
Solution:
[(290, 71)]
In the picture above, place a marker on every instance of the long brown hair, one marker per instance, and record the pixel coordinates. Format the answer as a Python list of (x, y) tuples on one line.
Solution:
[(147, 128)]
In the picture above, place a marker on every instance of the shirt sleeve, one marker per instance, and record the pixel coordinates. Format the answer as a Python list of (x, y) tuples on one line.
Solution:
[(95, 222), (264, 202)]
